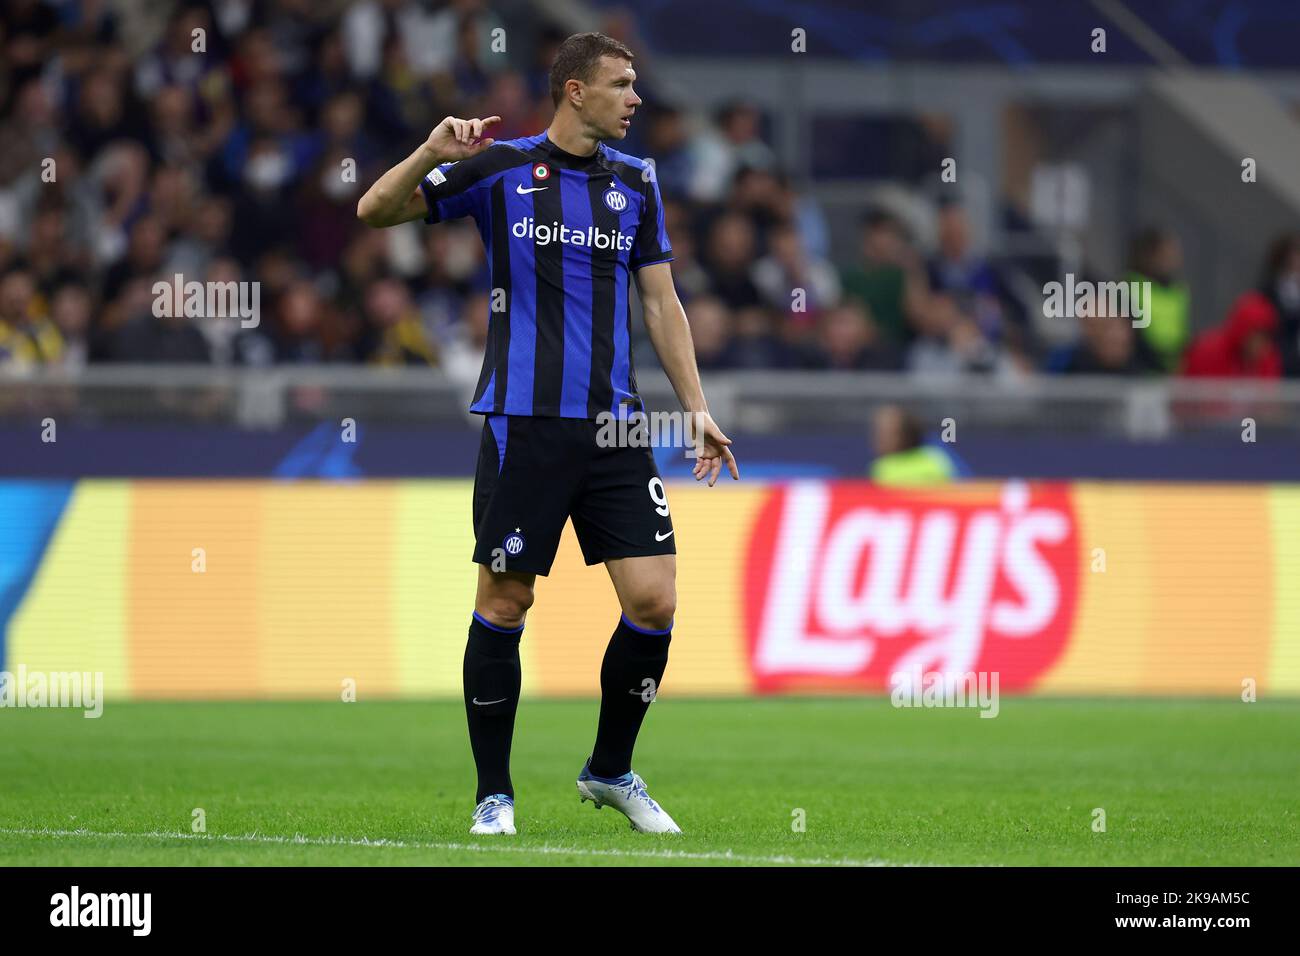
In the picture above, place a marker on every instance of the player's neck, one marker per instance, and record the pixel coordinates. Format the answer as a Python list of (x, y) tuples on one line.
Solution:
[(569, 135)]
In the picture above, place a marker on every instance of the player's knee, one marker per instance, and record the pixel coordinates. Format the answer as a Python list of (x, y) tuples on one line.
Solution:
[(507, 605), (654, 610)]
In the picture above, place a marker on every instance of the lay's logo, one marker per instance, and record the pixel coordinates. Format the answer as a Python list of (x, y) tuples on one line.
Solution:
[(849, 583)]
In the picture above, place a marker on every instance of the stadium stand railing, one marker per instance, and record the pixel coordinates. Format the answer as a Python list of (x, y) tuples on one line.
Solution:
[(755, 402)]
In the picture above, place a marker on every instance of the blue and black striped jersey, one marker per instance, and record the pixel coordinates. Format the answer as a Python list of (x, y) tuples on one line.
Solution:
[(563, 235)]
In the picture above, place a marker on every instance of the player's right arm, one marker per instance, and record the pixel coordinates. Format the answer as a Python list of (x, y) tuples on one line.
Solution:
[(396, 197)]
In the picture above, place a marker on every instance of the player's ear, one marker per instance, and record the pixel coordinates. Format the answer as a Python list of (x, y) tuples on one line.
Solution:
[(573, 92)]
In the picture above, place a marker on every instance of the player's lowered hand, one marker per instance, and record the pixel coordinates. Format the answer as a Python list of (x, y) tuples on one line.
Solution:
[(455, 139), (712, 449)]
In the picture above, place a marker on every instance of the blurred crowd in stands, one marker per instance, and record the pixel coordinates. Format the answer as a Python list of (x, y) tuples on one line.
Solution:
[(230, 141)]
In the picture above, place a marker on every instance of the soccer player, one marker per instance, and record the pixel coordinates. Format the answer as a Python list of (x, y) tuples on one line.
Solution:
[(567, 222)]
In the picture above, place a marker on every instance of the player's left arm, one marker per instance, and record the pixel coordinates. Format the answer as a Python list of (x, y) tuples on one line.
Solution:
[(670, 334)]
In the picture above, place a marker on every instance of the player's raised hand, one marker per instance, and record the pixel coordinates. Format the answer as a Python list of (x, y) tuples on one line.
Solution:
[(713, 450), (455, 139)]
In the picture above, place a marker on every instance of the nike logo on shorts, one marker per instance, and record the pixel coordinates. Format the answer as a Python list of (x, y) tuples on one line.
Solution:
[(663, 537)]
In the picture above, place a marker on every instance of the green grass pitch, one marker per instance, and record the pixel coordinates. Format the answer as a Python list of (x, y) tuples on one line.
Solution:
[(1182, 782)]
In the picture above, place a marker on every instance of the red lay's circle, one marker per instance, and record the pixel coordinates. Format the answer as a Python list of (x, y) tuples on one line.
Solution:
[(848, 584)]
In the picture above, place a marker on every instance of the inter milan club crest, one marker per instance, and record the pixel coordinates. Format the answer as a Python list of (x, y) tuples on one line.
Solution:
[(541, 171), (615, 199), (513, 543)]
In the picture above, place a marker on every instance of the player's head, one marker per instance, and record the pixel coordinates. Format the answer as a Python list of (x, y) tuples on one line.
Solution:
[(592, 75)]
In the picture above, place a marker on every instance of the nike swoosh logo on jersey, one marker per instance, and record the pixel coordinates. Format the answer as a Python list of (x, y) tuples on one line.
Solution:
[(662, 537), (531, 189), (484, 703)]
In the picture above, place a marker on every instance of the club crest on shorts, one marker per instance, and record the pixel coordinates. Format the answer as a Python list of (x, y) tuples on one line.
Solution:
[(615, 199), (513, 543)]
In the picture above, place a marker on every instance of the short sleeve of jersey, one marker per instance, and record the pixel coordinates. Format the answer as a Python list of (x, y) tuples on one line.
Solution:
[(452, 191), (651, 243)]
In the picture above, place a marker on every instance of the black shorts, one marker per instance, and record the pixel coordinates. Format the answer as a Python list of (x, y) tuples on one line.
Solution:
[(535, 473)]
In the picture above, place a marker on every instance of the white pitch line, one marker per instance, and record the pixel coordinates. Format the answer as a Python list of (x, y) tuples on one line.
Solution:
[(545, 849)]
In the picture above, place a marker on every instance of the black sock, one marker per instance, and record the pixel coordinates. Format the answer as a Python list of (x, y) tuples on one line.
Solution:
[(492, 679), (629, 678)]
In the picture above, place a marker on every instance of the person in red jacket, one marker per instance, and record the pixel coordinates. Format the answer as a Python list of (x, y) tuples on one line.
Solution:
[(1244, 346)]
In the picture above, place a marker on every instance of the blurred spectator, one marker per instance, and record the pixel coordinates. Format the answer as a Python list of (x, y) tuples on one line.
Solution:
[(950, 343), (148, 336), (431, 41), (1157, 258), (328, 78), (174, 62), (70, 312), (688, 275), (51, 257), (462, 352), (760, 195), (104, 115), (902, 458), (174, 132), (1107, 345), (203, 239), (28, 28), (755, 343), (537, 77), (27, 336), (394, 333), (976, 287), (16, 350), (850, 340), (229, 342), (1244, 346), (806, 213), (475, 60), (521, 113), (889, 280), (733, 143), (144, 257), (30, 133), (1280, 285), (453, 265), (305, 329), (731, 250), (326, 202), (668, 144), (118, 191), (172, 198), (711, 331), (787, 267)]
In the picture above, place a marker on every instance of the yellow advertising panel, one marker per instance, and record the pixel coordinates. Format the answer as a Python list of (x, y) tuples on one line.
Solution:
[(270, 589)]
